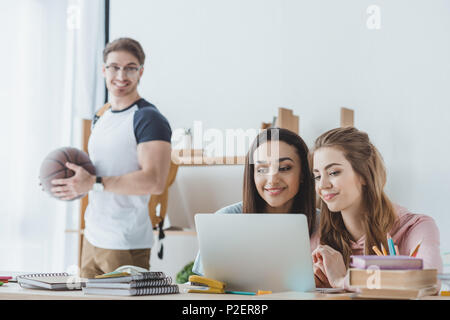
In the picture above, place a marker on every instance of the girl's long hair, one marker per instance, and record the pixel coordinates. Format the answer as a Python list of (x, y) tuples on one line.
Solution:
[(304, 201), (378, 212)]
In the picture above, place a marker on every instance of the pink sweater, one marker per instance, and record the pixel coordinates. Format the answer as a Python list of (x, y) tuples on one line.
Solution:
[(408, 230)]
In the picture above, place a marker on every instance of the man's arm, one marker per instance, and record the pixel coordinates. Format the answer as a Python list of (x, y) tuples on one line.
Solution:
[(154, 159)]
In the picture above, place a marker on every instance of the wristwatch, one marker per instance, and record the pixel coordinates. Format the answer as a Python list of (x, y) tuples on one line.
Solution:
[(98, 185)]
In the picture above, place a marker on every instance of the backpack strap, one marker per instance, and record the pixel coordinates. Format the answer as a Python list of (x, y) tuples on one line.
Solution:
[(100, 112)]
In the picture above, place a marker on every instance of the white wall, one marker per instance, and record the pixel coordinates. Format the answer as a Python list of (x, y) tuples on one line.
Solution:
[(231, 64)]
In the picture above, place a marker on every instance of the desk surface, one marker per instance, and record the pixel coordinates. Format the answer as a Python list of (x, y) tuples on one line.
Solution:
[(12, 291)]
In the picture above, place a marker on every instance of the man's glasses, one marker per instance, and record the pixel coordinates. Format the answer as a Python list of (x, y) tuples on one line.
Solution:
[(129, 71)]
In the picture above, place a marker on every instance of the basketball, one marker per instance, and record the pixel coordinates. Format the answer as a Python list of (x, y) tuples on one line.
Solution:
[(53, 166)]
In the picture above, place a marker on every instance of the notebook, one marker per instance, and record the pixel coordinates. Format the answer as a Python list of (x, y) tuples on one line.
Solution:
[(132, 284), (13, 274), (139, 284), (5, 279), (386, 262), (169, 289), (150, 275), (52, 281), (396, 293), (392, 279)]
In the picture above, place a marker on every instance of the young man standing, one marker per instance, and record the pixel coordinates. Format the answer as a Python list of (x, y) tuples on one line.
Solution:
[(130, 149)]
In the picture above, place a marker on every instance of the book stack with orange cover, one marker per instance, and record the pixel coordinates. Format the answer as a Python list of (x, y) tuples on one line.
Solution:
[(391, 277), (4, 279)]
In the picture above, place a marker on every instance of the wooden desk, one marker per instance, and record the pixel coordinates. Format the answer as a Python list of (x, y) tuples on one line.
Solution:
[(12, 291)]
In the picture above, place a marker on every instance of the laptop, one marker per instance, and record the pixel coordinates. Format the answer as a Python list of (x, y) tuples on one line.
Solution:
[(251, 252)]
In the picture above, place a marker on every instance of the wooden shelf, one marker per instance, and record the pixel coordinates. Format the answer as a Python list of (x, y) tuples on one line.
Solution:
[(81, 232), (208, 161), (177, 232), (166, 232)]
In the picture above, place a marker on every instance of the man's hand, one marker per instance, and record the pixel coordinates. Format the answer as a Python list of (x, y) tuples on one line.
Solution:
[(70, 188)]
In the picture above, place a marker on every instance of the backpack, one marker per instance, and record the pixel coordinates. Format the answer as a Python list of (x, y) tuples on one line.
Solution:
[(155, 200)]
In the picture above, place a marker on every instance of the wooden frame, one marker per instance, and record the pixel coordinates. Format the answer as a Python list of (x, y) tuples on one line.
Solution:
[(347, 117), (287, 120), (85, 200)]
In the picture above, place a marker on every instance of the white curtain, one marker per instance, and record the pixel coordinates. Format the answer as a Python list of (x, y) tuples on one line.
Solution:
[(40, 111), (85, 43)]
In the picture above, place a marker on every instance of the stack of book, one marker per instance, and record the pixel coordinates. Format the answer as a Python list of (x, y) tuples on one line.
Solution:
[(391, 277), (4, 279), (122, 284)]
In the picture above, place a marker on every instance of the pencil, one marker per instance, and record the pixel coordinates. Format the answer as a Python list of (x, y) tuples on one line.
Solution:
[(377, 251), (383, 249), (416, 249), (241, 292), (391, 246), (397, 252)]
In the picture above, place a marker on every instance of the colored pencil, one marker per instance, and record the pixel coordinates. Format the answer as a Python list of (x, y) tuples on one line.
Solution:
[(384, 250), (416, 249), (391, 246), (241, 292), (377, 251), (397, 252)]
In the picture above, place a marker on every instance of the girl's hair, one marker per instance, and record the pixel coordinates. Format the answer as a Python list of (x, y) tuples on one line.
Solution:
[(378, 212), (304, 200)]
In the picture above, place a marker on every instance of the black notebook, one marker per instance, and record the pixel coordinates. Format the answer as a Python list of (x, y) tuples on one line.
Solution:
[(168, 289), (52, 281), (132, 284)]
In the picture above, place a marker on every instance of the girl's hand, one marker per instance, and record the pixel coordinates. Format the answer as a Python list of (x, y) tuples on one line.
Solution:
[(331, 263), (320, 278)]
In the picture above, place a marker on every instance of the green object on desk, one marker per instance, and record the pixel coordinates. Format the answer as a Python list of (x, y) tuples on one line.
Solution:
[(183, 275), (242, 292), (1, 283)]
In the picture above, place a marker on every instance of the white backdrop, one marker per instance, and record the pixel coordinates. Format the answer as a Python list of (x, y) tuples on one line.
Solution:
[(231, 64)]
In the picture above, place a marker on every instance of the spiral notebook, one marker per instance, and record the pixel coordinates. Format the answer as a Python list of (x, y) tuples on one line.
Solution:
[(168, 289), (51, 281), (132, 284), (150, 275)]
